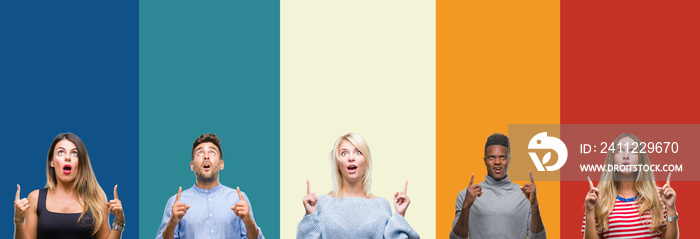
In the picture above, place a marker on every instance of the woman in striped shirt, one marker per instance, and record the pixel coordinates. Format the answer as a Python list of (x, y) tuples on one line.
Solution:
[(627, 203)]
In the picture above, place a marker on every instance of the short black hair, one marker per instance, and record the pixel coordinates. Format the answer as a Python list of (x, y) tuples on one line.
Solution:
[(211, 138), (497, 139)]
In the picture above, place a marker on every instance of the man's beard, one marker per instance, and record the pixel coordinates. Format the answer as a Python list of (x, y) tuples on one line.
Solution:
[(203, 179)]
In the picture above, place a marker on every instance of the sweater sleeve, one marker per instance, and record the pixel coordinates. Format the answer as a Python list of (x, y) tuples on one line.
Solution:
[(455, 236), (310, 227), (458, 211), (398, 228), (540, 235)]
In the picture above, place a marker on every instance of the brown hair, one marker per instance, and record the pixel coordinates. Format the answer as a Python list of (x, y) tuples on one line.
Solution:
[(85, 184), (211, 138)]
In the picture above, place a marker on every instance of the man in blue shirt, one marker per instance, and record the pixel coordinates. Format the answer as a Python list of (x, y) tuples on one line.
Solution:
[(217, 211)]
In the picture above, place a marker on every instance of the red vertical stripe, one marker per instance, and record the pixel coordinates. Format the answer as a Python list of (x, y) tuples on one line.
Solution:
[(629, 62)]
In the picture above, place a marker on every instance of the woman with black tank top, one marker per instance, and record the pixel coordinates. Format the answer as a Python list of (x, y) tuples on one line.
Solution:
[(73, 205)]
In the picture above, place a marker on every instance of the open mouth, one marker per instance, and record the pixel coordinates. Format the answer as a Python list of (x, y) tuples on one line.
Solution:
[(206, 165), (67, 169), (352, 169), (498, 170)]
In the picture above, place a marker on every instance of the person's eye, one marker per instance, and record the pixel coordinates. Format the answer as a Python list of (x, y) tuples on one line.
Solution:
[(503, 157), (212, 153), (200, 153), (358, 152), (74, 154), (491, 157), (343, 153), (60, 153)]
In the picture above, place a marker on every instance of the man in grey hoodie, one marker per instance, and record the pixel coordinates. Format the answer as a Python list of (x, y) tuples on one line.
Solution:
[(503, 209)]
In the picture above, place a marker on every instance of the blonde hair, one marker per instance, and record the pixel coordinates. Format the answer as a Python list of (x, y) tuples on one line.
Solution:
[(648, 199), (85, 186), (361, 145)]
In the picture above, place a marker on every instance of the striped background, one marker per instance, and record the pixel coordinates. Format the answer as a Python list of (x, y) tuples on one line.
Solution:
[(424, 82)]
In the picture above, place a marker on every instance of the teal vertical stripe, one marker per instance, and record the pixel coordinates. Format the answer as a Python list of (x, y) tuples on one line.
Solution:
[(209, 66)]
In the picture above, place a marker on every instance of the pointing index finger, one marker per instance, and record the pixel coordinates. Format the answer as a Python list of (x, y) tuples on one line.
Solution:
[(116, 197), (405, 187), (17, 196), (531, 179), (308, 187), (668, 180), (590, 183), (471, 182), (240, 195), (179, 192)]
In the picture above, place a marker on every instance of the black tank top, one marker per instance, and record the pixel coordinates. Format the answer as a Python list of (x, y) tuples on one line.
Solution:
[(61, 225)]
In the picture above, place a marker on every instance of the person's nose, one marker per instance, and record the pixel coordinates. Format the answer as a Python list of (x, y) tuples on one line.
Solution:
[(67, 158), (351, 158)]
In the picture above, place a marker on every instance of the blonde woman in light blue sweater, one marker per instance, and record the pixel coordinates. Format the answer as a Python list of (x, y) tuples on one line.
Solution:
[(350, 210)]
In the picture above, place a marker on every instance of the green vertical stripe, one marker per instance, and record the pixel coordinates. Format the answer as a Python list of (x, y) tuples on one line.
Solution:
[(209, 66)]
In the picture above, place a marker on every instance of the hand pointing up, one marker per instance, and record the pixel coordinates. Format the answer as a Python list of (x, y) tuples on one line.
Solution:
[(115, 207), (21, 206), (591, 197), (242, 209), (668, 195), (401, 201), (530, 190), (473, 191), (179, 208), (310, 200)]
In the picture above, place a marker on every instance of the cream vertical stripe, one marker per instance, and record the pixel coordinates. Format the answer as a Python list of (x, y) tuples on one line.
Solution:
[(366, 67)]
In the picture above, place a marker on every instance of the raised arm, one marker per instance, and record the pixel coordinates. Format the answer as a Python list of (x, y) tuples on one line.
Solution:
[(310, 226), (25, 215), (668, 196), (244, 212), (115, 208), (172, 217), (460, 228), (530, 191), (591, 201)]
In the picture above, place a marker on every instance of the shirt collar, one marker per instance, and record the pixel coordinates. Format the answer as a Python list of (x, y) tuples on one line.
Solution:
[(206, 191), (632, 199)]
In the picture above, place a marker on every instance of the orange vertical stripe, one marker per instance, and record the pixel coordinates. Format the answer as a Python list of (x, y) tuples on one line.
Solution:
[(497, 64)]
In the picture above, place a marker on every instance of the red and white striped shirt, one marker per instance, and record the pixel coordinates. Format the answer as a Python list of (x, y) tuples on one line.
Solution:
[(624, 222)]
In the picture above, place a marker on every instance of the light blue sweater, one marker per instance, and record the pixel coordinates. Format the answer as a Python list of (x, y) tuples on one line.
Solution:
[(354, 218)]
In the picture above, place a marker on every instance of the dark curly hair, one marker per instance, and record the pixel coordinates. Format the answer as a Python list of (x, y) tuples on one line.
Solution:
[(497, 139)]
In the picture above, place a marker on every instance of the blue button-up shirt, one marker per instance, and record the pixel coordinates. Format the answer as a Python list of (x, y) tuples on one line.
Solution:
[(209, 216)]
